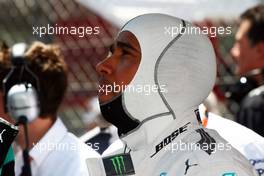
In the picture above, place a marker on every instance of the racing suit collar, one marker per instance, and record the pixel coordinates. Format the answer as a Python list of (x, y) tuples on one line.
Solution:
[(155, 130)]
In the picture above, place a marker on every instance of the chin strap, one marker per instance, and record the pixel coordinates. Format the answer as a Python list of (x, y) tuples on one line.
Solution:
[(114, 113)]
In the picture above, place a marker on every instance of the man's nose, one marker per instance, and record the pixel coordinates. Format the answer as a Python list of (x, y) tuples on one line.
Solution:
[(104, 67)]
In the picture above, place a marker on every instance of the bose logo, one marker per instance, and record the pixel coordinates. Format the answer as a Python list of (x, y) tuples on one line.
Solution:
[(170, 138)]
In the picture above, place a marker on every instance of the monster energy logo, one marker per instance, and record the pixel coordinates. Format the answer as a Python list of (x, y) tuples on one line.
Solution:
[(119, 164)]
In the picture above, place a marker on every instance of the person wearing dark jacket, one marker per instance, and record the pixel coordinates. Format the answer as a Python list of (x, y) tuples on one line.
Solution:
[(248, 53)]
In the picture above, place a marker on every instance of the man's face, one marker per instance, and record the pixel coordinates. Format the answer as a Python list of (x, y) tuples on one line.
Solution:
[(243, 52), (119, 67)]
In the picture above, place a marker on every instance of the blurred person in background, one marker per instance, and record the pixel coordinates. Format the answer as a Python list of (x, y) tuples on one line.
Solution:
[(248, 53), (53, 150)]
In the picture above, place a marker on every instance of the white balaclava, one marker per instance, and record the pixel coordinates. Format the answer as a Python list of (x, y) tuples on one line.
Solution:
[(181, 64)]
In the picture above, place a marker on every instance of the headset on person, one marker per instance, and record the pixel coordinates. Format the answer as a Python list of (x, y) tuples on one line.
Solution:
[(21, 90)]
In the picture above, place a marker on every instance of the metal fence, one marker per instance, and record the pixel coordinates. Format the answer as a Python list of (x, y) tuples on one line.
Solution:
[(20, 18)]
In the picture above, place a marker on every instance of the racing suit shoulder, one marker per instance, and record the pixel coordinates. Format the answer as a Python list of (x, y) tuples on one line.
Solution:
[(219, 160), (224, 161), (246, 141)]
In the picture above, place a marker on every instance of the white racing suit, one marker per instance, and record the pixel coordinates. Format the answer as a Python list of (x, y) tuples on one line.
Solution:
[(169, 140), (182, 156)]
